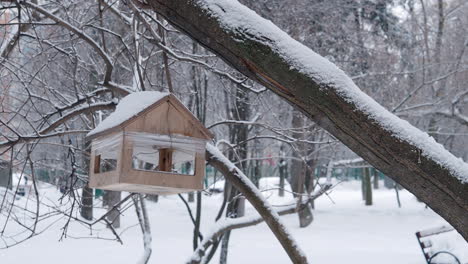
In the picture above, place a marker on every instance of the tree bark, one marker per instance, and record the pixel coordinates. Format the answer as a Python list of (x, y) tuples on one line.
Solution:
[(282, 166), (376, 178), (5, 174), (363, 185), (323, 102), (368, 186), (191, 197), (86, 210), (114, 216), (224, 247), (196, 229), (299, 168)]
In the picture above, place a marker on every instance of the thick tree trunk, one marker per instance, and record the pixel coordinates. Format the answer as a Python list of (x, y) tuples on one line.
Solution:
[(191, 197), (282, 166), (86, 210), (375, 178), (363, 185), (310, 179), (5, 174), (196, 229), (257, 170), (367, 186), (298, 170), (257, 55)]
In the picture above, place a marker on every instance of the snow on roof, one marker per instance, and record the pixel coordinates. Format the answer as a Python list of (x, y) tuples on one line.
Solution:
[(130, 106), (237, 18)]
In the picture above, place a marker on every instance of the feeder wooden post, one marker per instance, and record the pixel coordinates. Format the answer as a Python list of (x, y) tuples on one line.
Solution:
[(97, 163), (165, 159)]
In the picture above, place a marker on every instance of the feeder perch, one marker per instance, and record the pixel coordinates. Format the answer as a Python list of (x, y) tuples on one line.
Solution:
[(151, 144)]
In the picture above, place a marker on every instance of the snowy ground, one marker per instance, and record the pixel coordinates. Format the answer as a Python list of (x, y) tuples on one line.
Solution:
[(344, 231)]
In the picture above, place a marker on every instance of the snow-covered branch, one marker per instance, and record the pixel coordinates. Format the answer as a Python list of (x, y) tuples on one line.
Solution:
[(238, 179), (227, 224), (317, 87)]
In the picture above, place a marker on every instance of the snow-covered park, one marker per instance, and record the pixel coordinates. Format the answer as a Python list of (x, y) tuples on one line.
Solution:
[(234, 131), (343, 230)]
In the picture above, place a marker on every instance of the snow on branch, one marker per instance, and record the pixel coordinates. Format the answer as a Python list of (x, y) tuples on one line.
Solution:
[(239, 19), (315, 86), (228, 224), (254, 196)]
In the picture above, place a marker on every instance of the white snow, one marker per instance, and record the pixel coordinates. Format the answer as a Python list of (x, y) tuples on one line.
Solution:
[(343, 231), (347, 162), (435, 230), (19, 178), (217, 186), (239, 19), (130, 106)]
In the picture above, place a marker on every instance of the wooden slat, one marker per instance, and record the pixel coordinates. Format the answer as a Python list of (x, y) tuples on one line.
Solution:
[(165, 159), (102, 179), (166, 119), (163, 179), (139, 188)]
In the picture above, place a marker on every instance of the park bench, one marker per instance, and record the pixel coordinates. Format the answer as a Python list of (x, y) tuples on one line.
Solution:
[(427, 246)]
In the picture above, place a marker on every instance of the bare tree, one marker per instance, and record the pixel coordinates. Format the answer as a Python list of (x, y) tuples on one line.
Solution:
[(333, 102)]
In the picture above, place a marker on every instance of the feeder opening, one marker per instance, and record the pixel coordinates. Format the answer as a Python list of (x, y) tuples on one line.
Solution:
[(106, 153), (163, 153), (163, 160)]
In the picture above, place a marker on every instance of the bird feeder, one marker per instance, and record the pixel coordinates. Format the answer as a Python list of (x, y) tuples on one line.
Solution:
[(151, 144)]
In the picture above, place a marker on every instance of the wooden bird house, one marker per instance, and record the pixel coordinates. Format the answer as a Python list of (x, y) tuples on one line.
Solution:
[(151, 144)]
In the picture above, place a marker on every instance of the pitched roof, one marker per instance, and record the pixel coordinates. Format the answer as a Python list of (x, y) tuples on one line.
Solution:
[(136, 103)]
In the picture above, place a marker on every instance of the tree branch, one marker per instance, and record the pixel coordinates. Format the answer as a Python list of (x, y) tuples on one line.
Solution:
[(324, 93), (246, 187)]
